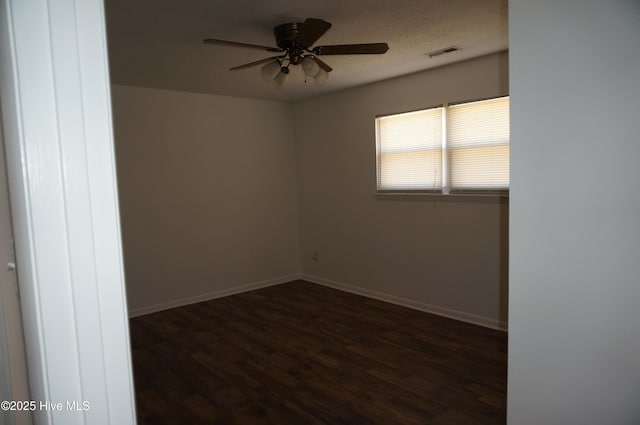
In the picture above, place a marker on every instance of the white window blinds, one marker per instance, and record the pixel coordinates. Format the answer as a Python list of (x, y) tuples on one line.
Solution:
[(478, 145), (409, 150), (457, 148)]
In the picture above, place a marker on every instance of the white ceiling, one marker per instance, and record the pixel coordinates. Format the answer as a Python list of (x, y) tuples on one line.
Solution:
[(158, 43)]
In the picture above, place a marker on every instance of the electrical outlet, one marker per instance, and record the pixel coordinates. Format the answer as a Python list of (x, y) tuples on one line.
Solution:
[(315, 256)]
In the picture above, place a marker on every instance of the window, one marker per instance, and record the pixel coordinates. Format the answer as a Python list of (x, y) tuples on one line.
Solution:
[(450, 149)]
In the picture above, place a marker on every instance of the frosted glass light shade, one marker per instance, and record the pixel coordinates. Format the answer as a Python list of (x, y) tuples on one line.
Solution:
[(321, 77), (281, 78), (310, 67), (270, 70)]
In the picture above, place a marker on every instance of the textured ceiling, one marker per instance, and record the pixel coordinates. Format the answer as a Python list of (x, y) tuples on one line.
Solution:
[(158, 43)]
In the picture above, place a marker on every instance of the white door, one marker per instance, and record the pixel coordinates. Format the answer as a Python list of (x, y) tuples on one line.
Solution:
[(13, 365)]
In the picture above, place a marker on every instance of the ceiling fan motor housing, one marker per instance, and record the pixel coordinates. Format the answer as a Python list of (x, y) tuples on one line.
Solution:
[(287, 39), (286, 35)]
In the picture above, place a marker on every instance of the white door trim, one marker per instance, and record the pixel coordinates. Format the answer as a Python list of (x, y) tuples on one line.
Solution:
[(60, 159)]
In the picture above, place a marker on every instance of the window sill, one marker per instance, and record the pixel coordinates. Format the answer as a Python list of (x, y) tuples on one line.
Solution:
[(498, 196)]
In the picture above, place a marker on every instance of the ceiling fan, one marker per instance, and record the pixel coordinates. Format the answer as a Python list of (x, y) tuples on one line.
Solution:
[(294, 41)]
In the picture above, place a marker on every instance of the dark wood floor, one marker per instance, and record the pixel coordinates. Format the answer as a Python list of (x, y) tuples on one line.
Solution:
[(303, 354)]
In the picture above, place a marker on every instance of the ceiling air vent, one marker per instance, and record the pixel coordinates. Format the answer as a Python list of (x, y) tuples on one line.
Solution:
[(442, 51)]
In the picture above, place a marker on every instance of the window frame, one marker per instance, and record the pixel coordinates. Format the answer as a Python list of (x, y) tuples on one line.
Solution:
[(445, 189)]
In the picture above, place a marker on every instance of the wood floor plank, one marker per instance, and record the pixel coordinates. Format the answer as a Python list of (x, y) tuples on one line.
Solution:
[(301, 353)]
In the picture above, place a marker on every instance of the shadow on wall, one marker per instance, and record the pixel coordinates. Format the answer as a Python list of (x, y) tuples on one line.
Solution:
[(504, 261)]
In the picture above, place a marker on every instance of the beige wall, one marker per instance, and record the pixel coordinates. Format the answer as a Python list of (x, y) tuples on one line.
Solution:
[(444, 254), (207, 189)]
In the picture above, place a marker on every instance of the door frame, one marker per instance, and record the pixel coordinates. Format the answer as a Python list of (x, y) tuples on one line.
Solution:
[(13, 363), (60, 159)]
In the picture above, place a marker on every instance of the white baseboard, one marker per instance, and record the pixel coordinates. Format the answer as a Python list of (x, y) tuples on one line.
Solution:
[(405, 302), (141, 311)]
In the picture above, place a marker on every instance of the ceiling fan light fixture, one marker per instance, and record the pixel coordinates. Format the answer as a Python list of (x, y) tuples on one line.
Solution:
[(295, 42), (270, 70)]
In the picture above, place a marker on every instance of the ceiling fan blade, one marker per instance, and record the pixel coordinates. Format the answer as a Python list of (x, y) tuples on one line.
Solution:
[(312, 30), (321, 64), (352, 49), (250, 64), (236, 44)]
